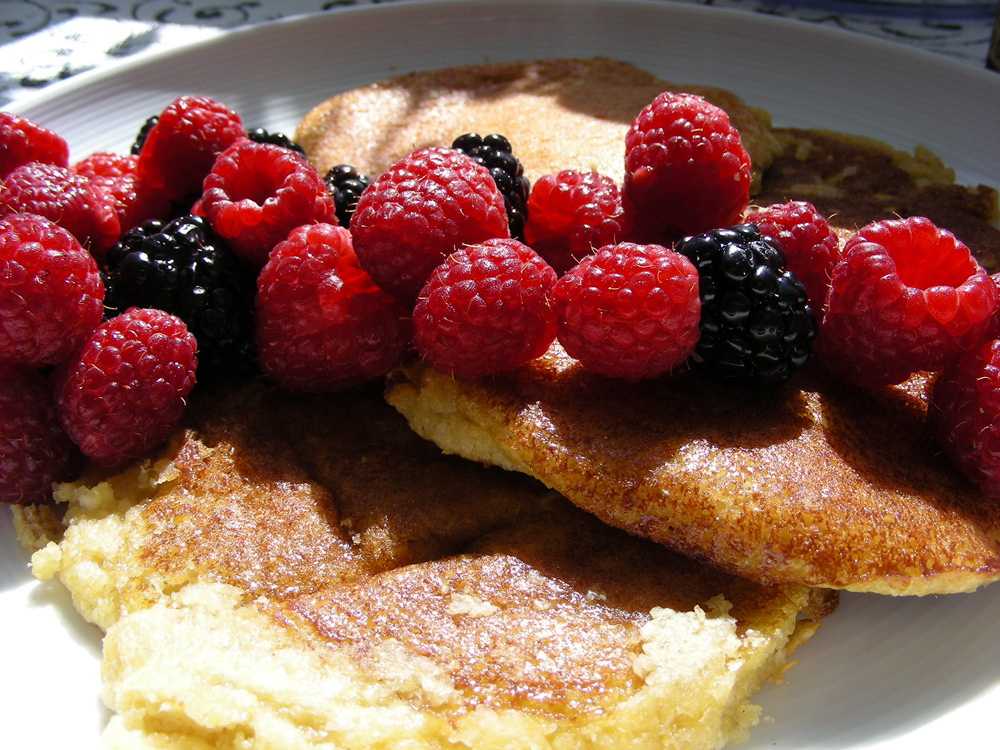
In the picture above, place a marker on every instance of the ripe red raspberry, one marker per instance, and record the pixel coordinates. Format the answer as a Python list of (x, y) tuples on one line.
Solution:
[(51, 295), (964, 415), (116, 176), (66, 198), (421, 210), (811, 245), (906, 296), (629, 311), (486, 309), (126, 389), (321, 323), (23, 141), (257, 193), (686, 171), (180, 149), (571, 214), (34, 451)]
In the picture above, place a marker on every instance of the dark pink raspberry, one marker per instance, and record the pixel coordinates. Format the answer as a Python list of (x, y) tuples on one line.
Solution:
[(34, 451), (126, 388), (256, 193), (486, 309), (181, 147), (321, 323), (811, 245), (629, 311), (51, 295), (422, 209), (68, 199), (117, 178), (905, 297), (23, 141), (686, 170), (571, 214), (964, 415)]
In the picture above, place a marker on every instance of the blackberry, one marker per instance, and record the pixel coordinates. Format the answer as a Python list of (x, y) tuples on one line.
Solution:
[(143, 132), (496, 154), (756, 323), (259, 135), (181, 267), (345, 185)]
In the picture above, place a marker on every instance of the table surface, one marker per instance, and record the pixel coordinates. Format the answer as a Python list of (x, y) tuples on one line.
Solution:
[(43, 42)]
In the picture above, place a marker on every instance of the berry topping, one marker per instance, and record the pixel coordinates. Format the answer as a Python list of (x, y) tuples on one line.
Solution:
[(686, 171), (182, 268), (126, 388), (118, 180), (629, 311), (260, 135), (496, 154), (756, 324), (486, 309), (183, 143), (571, 214), (23, 141), (68, 199), (811, 245), (346, 185), (322, 324), (257, 193), (34, 451), (417, 213), (906, 296), (50, 292), (964, 415)]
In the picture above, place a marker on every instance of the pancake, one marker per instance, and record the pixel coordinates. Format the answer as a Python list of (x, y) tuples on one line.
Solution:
[(812, 483), (295, 571)]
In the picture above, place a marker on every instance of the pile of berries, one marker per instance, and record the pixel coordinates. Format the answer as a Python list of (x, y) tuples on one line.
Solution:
[(213, 248)]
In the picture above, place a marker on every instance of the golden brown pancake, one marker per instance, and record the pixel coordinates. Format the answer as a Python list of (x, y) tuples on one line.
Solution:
[(307, 569)]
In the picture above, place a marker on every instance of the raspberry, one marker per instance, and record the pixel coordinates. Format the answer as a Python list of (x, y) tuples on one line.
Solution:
[(811, 245), (322, 324), (126, 389), (571, 214), (422, 209), (964, 415), (346, 185), (756, 324), (257, 193), (34, 451), (906, 296), (486, 309), (66, 198), (686, 171), (117, 178), (23, 141), (50, 292), (496, 154), (183, 143), (629, 311)]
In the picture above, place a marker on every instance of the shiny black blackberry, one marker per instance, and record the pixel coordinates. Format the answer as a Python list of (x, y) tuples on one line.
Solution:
[(183, 268), (496, 154), (756, 324), (345, 184), (143, 132), (259, 135)]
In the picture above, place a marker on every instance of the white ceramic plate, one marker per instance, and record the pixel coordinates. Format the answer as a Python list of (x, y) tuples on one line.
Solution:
[(881, 673)]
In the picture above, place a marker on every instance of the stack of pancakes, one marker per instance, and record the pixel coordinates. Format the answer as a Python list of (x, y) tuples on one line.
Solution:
[(618, 565)]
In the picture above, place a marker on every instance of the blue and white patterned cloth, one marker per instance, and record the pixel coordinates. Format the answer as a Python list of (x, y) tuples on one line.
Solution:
[(42, 42)]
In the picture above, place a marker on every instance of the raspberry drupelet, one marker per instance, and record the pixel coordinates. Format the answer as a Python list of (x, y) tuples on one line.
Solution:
[(23, 141), (116, 176), (418, 212), (126, 388), (486, 309), (571, 214), (686, 170), (321, 323), (51, 295), (629, 311), (906, 296)]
